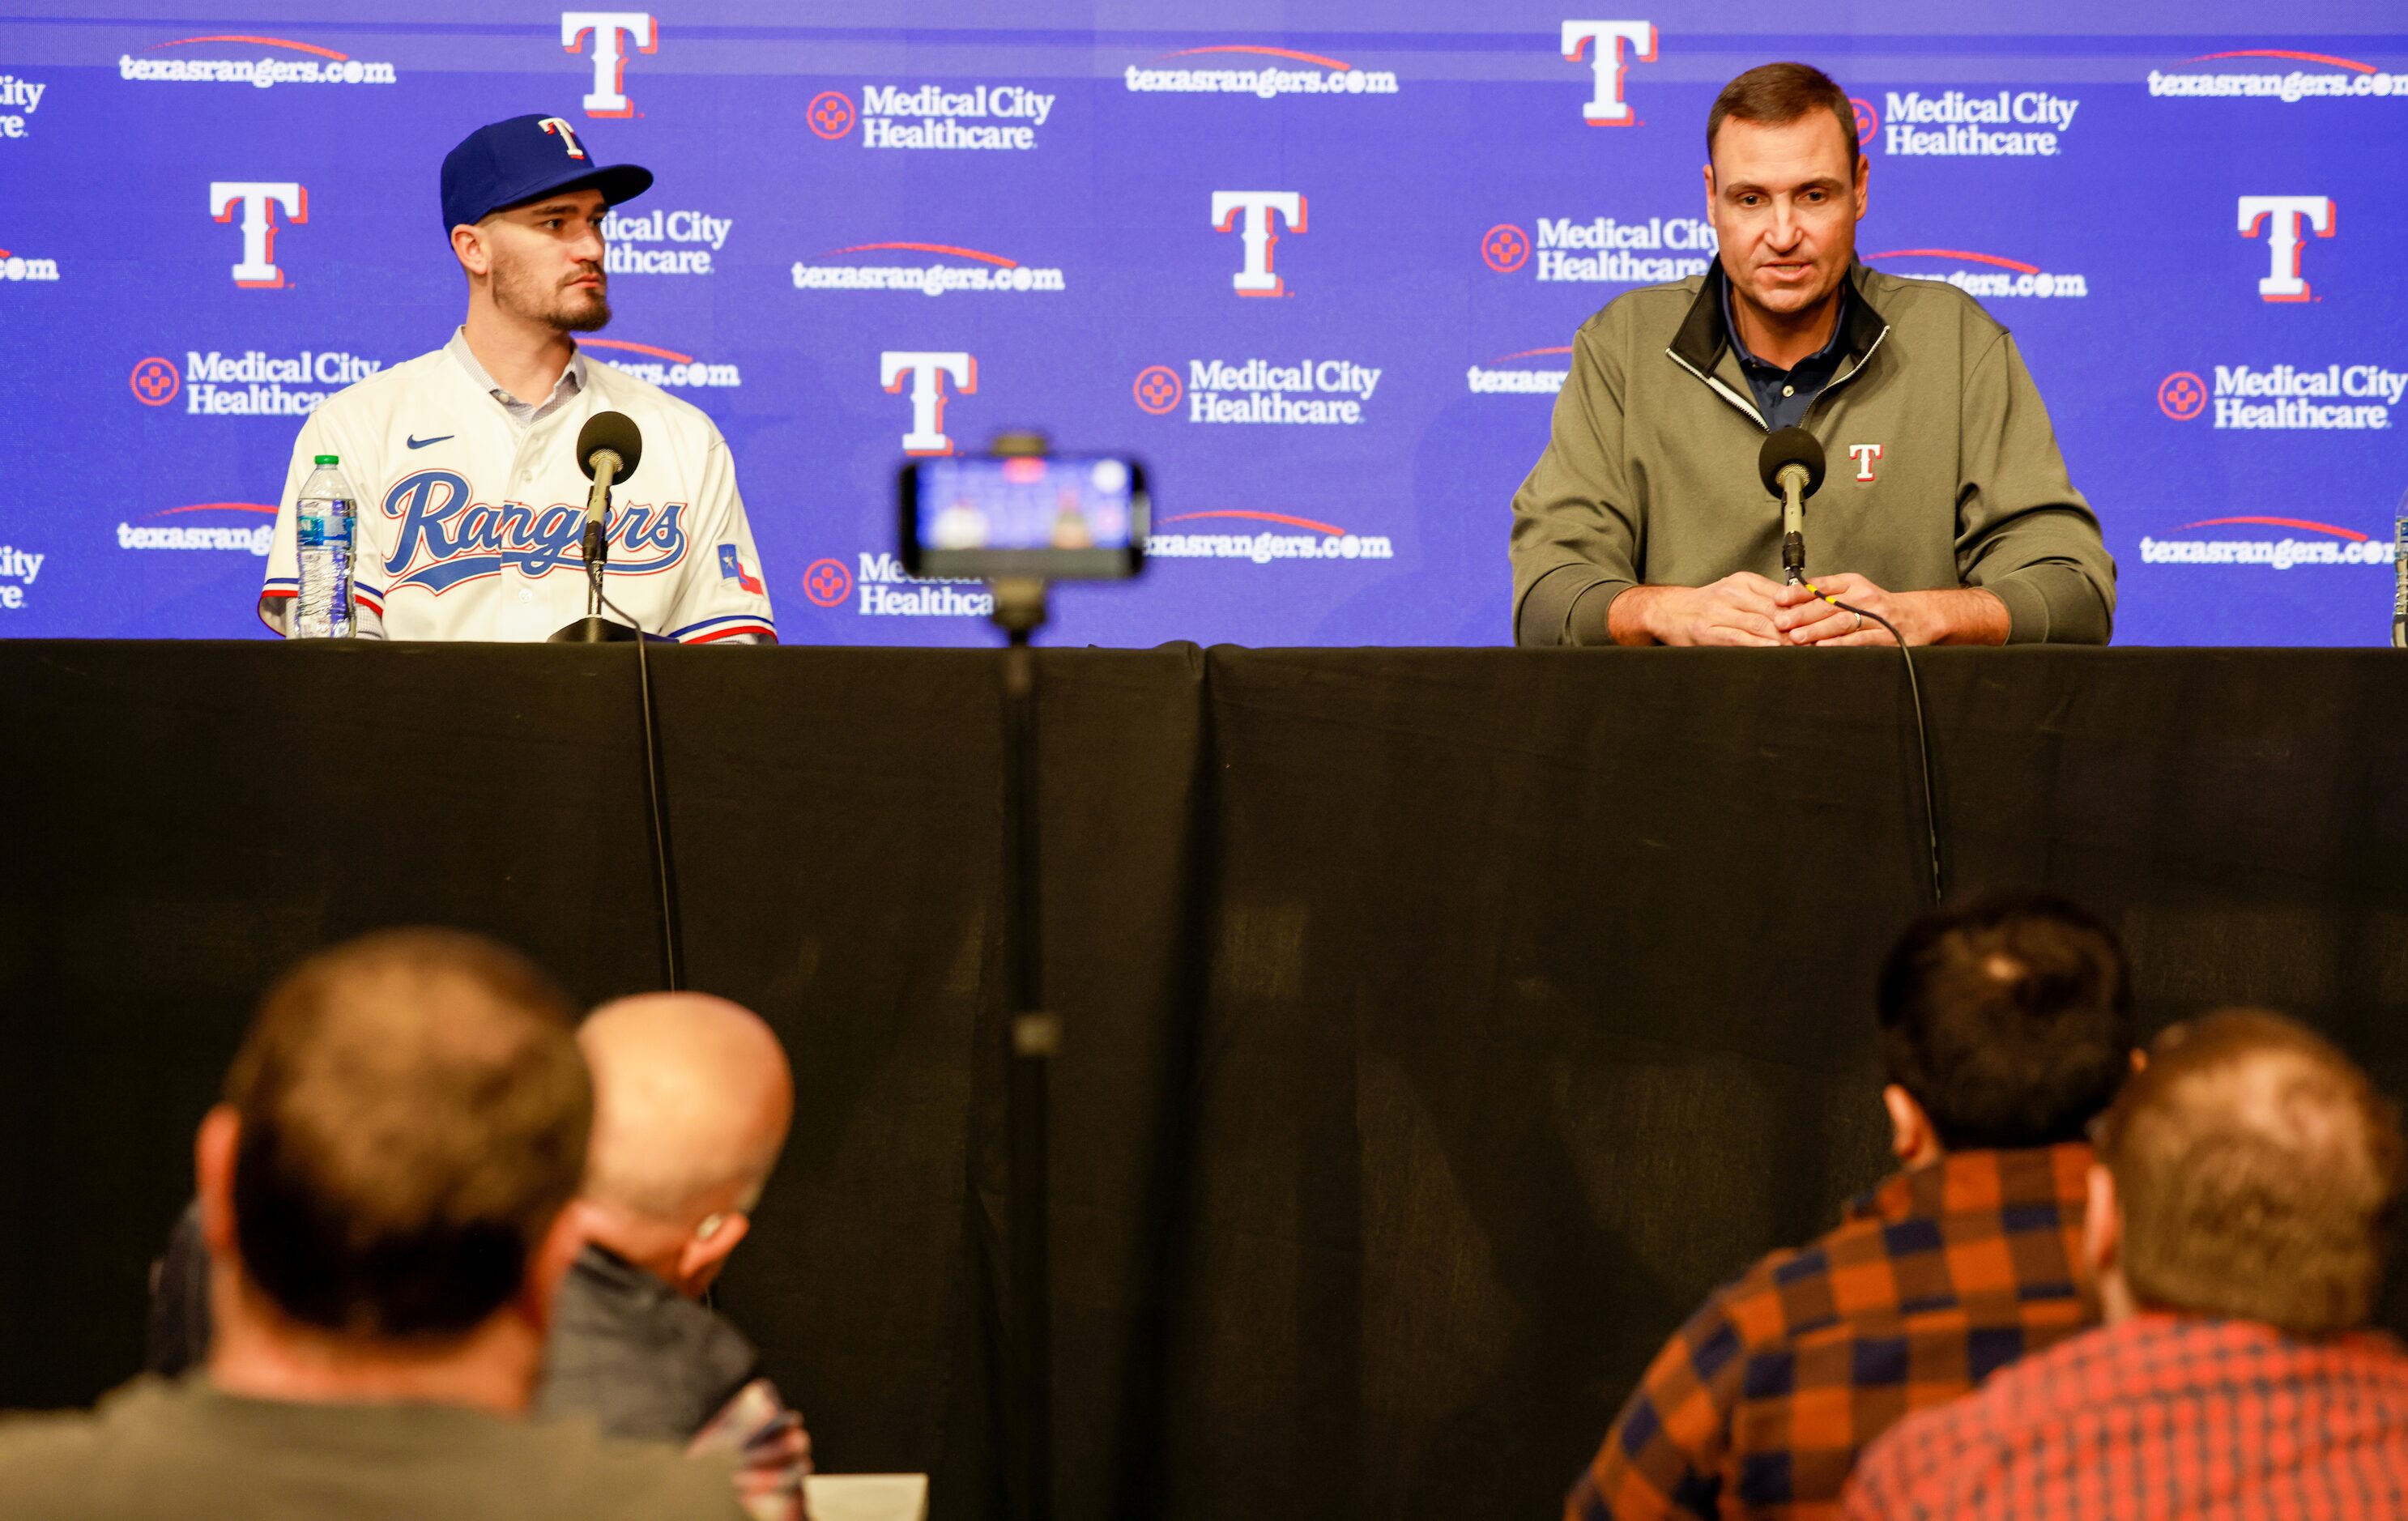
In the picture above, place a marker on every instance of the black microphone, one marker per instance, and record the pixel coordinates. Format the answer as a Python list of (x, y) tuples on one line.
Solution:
[(1791, 465), (608, 447)]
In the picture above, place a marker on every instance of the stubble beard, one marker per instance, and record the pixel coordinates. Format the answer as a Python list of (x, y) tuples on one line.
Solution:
[(518, 291)]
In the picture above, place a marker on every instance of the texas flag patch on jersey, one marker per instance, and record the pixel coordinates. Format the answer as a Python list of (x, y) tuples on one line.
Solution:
[(732, 567)]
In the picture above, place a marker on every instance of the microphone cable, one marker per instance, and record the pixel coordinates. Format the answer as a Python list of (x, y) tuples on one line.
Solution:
[(651, 781), (1922, 738)]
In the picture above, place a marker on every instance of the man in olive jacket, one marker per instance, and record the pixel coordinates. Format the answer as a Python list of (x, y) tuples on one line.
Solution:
[(1944, 506)]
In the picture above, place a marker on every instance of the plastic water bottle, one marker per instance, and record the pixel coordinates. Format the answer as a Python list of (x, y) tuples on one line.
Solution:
[(323, 522)]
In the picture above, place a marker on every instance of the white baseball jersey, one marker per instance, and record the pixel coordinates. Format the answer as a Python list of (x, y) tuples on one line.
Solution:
[(471, 528)]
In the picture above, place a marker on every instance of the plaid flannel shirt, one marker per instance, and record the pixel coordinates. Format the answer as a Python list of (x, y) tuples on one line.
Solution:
[(2161, 1416), (1758, 1406)]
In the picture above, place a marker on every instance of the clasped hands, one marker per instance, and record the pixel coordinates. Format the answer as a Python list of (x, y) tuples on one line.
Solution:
[(1746, 609)]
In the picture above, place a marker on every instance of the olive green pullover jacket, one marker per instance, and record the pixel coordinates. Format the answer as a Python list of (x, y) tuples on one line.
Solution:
[(1941, 469)]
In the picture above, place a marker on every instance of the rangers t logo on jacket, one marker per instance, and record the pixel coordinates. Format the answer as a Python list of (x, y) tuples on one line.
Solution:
[(469, 526)]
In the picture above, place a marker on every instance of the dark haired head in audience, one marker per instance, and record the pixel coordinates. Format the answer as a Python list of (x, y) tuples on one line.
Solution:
[(2006, 1021), (2005, 1025), (2251, 1171)]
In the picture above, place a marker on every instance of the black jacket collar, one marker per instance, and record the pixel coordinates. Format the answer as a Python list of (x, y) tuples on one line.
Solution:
[(1703, 338)]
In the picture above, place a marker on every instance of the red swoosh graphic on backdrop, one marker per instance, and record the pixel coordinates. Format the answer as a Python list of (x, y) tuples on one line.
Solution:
[(1264, 517), (2350, 534), (2283, 52), (931, 248), (264, 42), (218, 507), (1526, 353), (1274, 52), (2016, 265), (636, 348)]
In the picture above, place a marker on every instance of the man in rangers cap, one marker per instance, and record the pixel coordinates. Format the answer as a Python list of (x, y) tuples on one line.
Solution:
[(472, 501)]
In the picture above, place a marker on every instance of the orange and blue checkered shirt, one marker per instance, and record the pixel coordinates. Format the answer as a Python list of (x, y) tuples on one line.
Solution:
[(2160, 1416), (1759, 1405)]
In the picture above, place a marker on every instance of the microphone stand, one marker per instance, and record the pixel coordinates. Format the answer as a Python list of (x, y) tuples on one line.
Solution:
[(594, 628), (1035, 1036)]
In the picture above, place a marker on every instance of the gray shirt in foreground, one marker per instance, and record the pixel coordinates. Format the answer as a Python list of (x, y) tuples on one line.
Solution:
[(157, 1451)]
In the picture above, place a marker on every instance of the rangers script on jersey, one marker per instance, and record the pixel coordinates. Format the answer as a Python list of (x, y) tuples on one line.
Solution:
[(469, 526)]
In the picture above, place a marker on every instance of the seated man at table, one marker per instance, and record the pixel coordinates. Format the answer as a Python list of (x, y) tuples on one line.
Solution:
[(472, 499), (1946, 506), (2006, 1027), (2240, 1216), (383, 1193)]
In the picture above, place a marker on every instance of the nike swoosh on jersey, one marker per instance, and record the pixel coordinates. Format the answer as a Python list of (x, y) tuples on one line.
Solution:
[(421, 443)]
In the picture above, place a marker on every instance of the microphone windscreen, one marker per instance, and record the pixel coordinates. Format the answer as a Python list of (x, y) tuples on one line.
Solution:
[(1790, 446), (616, 432)]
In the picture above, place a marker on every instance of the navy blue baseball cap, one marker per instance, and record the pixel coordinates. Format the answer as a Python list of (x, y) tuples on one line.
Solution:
[(511, 163)]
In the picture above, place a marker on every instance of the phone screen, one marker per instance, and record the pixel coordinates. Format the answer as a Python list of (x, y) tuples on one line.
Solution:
[(1065, 516)]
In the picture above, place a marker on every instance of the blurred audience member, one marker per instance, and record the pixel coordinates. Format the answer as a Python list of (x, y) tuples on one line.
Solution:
[(692, 1098), (2006, 1027), (383, 1196), (2239, 1221)]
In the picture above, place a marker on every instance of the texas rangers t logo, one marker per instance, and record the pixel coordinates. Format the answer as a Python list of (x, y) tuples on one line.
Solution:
[(567, 134), (1257, 206), (929, 372), (258, 271), (608, 96), (2284, 212), (1606, 108), (1864, 454)]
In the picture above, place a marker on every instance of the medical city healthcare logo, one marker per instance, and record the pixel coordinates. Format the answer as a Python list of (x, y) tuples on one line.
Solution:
[(19, 100), (1602, 45), (1963, 124), (1231, 69), (612, 32), (20, 566), (317, 65), (1305, 392), (1982, 276), (933, 117), (913, 269), (1603, 250), (887, 591), (2288, 397), (697, 235), (2283, 74), (253, 383)]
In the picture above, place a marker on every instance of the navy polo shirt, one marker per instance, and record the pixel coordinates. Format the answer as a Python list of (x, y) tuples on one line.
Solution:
[(1782, 396)]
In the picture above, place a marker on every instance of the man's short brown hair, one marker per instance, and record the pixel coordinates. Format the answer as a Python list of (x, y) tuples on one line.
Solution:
[(1776, 95), (2259, 1172), (413, 1115)]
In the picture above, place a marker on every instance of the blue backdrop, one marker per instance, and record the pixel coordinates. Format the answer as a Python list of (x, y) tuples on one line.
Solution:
[(1152, 227)]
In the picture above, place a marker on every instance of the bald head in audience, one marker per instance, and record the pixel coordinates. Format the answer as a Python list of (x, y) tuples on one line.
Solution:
[(692, 1098), (2252, 1171)]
